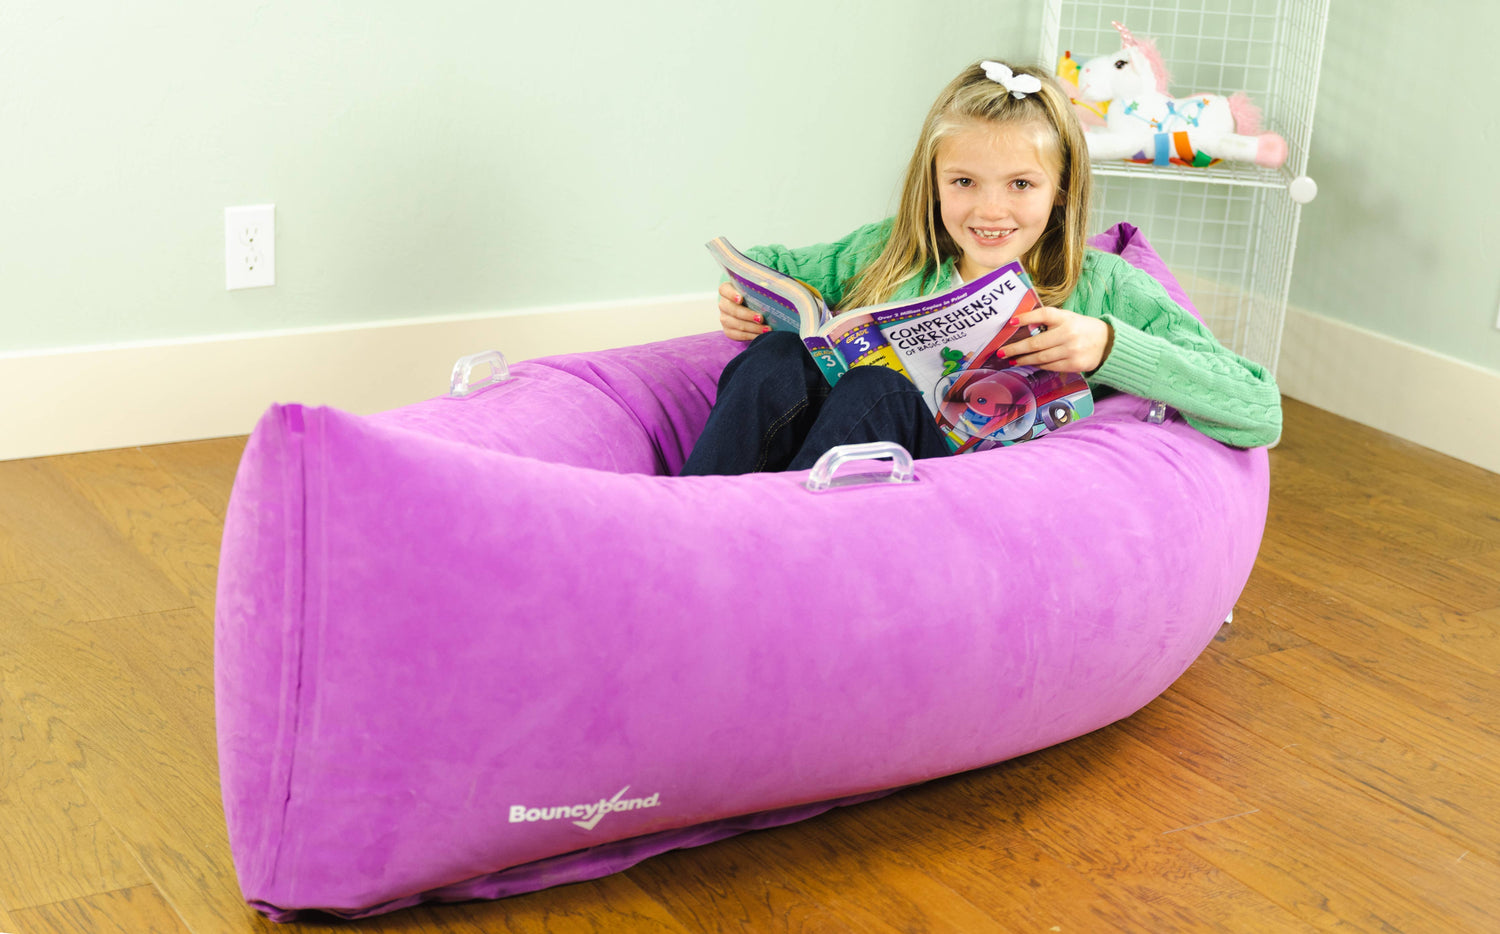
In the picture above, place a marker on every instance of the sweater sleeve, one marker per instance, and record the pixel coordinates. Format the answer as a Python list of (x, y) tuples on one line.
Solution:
[(1162, 352), (827, 266)]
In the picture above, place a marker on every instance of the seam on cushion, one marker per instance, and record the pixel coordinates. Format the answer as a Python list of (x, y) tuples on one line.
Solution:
[(314, 618), (290, 729)]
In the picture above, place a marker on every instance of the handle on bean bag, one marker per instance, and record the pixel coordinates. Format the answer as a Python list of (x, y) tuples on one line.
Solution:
[(463, 383), (822, 478)]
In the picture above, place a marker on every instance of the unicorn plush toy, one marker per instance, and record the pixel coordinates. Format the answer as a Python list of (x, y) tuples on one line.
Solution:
[(1143, 123)]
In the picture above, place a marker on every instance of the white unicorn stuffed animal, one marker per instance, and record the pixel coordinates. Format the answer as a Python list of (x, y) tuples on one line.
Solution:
[(1143, 123)]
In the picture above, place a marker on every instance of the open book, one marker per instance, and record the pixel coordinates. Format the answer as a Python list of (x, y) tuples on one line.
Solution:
[(948, 344)]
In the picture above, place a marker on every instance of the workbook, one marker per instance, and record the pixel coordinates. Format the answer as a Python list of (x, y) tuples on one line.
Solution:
[(949, 344)]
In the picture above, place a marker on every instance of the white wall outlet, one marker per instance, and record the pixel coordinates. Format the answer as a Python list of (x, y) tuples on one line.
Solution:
[(250, 246)]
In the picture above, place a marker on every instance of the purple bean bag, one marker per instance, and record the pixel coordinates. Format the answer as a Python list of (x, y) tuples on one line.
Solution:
[(473, 648)]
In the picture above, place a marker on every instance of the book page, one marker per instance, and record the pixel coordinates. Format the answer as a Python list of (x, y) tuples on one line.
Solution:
[(860, 341), (946, 332), (785, 303), (949, 345)]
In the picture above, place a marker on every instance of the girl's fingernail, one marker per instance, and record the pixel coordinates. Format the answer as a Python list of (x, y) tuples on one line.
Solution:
[(1014, 321), (764, 330), (759, 320)]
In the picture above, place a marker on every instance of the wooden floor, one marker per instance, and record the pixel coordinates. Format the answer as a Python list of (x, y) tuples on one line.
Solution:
[(1332, 761)]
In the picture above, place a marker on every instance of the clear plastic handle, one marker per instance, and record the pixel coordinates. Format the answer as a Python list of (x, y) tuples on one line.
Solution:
[(464, 384), (1157, 414), (822, 476)]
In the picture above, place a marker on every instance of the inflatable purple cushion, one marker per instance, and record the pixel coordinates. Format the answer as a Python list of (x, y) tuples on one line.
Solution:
[(473, 648)]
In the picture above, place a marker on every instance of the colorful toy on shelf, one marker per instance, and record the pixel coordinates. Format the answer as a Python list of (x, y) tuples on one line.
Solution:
[(1089, 114), (1143, 123)]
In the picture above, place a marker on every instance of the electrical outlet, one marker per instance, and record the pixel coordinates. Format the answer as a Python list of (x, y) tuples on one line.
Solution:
[(250, 246)]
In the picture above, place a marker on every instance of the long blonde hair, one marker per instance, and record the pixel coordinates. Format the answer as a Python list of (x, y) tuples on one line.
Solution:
[(919, 243)]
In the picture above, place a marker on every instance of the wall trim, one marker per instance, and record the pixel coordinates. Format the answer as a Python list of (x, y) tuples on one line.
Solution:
[(154, 392), (1434, 400)]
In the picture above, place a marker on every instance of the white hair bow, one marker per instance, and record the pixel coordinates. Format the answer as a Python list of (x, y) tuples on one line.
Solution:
[(1018, 85)]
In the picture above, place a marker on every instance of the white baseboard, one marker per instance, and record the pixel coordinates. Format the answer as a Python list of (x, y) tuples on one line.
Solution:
[(1426, 397), (93, 398)]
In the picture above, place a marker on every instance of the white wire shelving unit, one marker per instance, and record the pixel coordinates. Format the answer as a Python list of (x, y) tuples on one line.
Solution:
[(1228, 231)]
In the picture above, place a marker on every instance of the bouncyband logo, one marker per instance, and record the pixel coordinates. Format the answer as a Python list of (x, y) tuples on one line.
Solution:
[(586, 816)]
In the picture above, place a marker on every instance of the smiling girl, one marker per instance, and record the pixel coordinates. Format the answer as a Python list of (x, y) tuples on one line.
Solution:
[(1000, 173)]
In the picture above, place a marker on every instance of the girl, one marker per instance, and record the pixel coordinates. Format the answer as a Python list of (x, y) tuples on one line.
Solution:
[(1000, 173)]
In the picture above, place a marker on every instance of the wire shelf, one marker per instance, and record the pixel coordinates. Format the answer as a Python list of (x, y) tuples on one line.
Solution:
[(1225, 173), (1228, 231)]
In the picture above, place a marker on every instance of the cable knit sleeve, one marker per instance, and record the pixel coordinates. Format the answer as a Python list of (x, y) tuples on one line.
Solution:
[(1162, 352)]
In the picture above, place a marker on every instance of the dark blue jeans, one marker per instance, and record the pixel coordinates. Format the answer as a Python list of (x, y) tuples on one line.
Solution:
[(776, 411)]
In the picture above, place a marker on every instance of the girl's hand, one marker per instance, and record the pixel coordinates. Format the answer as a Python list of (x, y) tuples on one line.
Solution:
[(740, 323), (1072, 343)]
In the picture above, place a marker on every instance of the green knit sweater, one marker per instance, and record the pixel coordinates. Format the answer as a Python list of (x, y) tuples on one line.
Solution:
[(1159, 350)]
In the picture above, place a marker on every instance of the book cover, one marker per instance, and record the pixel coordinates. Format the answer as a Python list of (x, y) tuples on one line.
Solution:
[(949, 344)]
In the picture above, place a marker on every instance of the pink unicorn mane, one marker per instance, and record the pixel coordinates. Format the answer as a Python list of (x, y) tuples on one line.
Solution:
[(1153, 56), (1158, 66)]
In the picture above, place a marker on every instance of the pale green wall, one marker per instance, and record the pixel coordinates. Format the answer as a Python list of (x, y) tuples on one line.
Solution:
[(456, 157), (1404, 237), (444, 157)]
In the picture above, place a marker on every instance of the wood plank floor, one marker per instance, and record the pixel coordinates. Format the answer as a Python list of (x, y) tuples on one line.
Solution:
[(1332, 761)]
